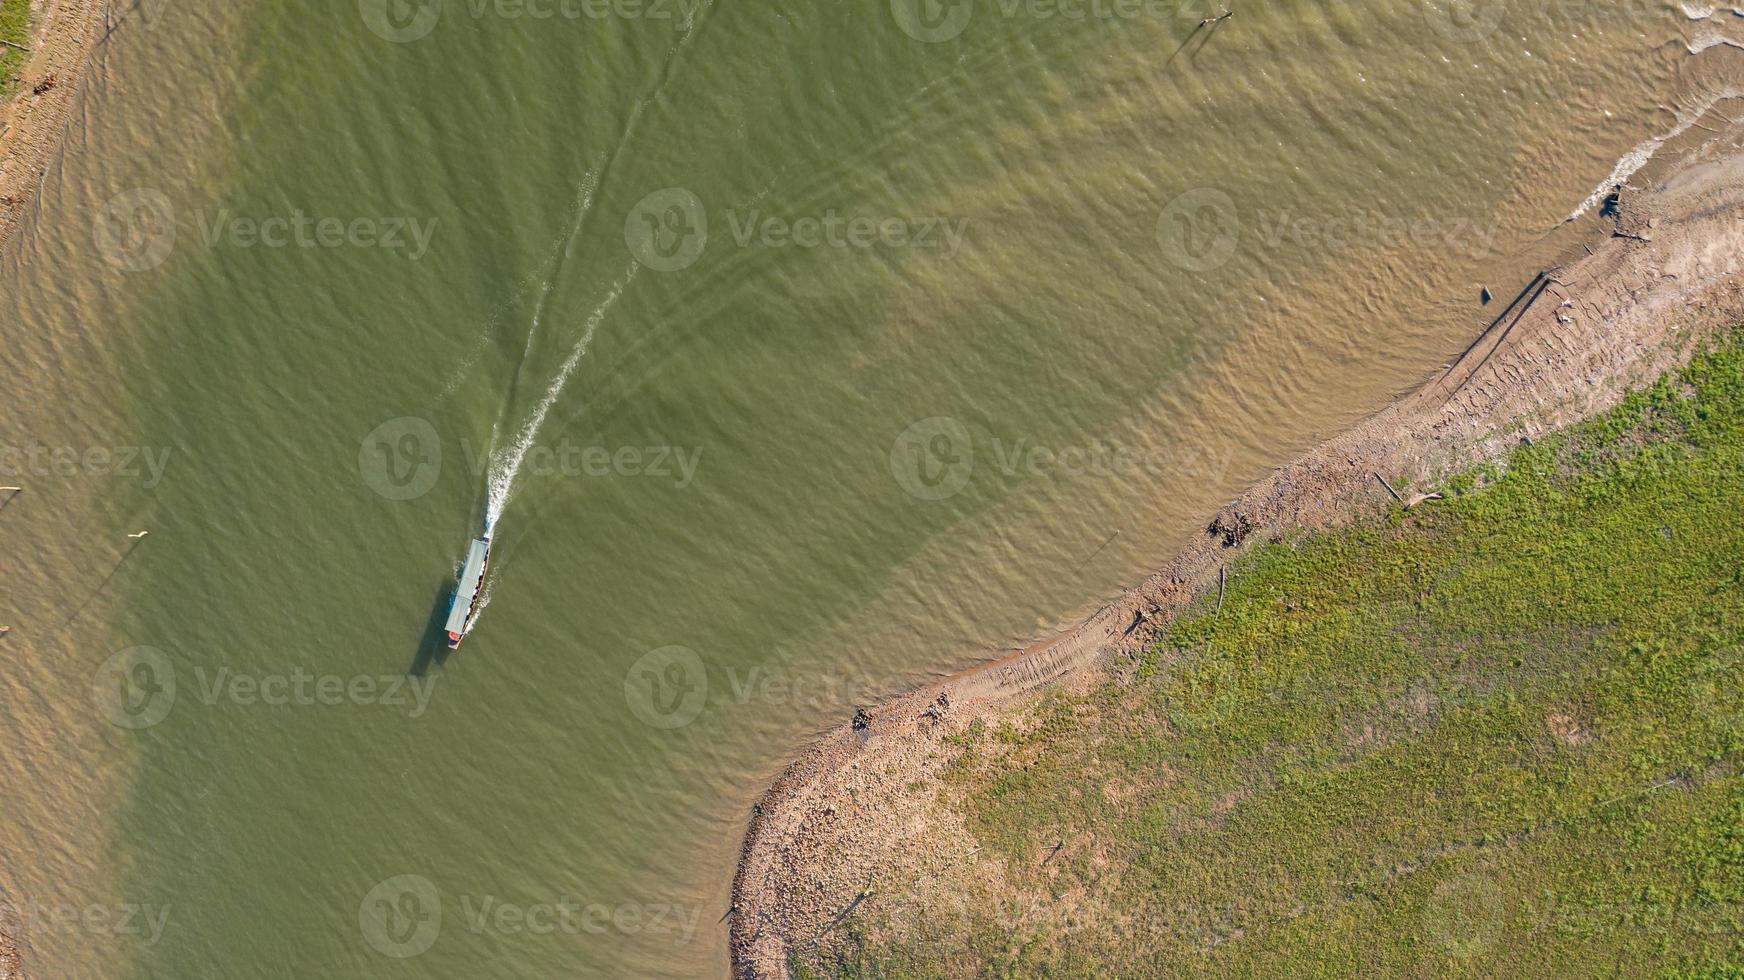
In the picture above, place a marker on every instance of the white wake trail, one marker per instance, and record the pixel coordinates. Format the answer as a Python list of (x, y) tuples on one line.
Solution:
[(559, 252), (506, 465), (559, 247)]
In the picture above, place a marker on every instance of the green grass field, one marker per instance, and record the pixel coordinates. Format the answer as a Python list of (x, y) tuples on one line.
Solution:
[(14, 27), (1501, 735)]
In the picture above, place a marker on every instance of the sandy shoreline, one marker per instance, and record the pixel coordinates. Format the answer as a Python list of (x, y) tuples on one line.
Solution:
[(848, 820), (33, 123), (32, 128)]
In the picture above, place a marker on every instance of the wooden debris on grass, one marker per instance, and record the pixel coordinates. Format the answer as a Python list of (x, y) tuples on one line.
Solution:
[(1234, 526)]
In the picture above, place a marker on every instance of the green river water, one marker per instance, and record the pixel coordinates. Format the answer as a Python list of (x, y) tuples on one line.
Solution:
[(839, 345)]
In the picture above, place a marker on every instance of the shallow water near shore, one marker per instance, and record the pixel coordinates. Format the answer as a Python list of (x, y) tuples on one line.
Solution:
[(841, 345)]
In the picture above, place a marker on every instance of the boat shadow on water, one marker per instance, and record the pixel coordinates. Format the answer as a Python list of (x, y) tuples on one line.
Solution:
[(433, 644)]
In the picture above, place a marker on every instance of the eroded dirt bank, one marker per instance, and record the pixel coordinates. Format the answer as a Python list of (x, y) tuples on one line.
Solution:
[(851, 820)]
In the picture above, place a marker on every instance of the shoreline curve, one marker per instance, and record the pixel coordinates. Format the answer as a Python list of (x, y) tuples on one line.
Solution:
[(1664, 277)]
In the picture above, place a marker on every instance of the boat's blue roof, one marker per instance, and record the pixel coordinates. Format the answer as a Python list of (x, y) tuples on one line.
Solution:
[(471, 575)]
